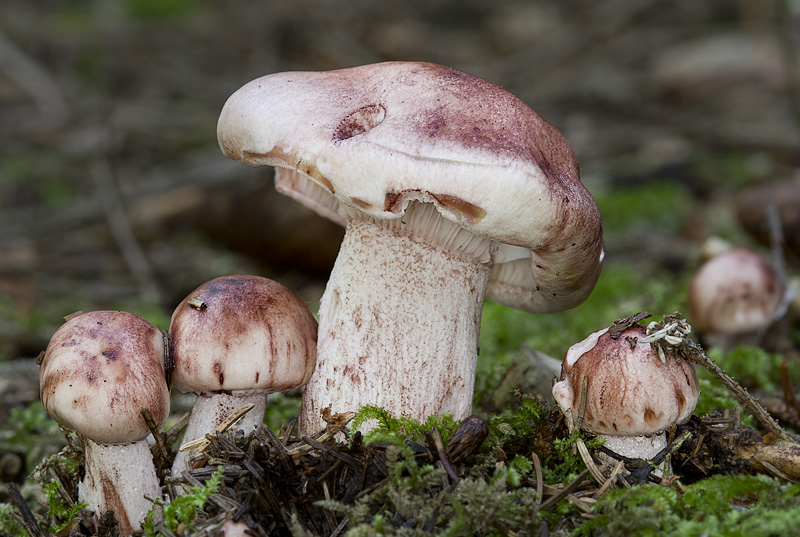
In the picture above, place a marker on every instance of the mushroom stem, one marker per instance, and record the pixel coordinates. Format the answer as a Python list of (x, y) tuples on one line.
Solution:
[(636, 447), (399, 319), (113, 482), (211, 409)]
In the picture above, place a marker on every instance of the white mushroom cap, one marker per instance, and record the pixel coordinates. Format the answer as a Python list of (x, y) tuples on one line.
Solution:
[(243, 334), (734, 292), (630, 391), (372, 139), (98, 372)]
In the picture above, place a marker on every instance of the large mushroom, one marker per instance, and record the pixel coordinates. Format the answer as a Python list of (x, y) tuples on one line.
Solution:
[(238, 338), (99, 371), (450, 188)]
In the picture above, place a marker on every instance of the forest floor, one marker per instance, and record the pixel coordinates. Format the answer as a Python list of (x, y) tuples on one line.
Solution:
[(114, 195)]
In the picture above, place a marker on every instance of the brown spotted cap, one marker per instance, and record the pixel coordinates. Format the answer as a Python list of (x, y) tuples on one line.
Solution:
[(242, 333), (100, 370), (629, 391), (372, 139)]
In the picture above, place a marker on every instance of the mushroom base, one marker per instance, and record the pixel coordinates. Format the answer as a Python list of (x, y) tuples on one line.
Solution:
[(399, 320), (636, 447), (211, 409), (118, 477)]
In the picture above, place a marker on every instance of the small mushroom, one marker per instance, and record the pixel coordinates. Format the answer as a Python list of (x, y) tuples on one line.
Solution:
[(631, 395), (238, 338), (450, 188), (734, 298), (99, 371)]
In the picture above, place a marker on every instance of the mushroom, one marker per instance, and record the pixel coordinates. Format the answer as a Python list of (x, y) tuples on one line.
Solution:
[(450, 188), (734, 298), (99, 371), (238, 338), (631, 395)]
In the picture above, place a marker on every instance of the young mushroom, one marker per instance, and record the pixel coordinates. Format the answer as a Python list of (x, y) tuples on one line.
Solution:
[(238, 338), (99, 371), (734, 298), (450, 188), (631, 395)]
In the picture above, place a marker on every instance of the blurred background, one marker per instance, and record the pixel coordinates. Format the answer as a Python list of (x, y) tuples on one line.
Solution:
[(114, 194)]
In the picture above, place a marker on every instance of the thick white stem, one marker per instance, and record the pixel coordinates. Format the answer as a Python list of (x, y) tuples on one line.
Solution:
[(399, 322), (211, 409), (118, 477)]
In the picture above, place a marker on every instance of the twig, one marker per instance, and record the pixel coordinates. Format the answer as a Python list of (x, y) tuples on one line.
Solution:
[(566, 491), (151, 424), (121, 229), (537, 466), (26, 519), (694, 353), (791, 62), (33, 79), (437, 440), (788, 390)]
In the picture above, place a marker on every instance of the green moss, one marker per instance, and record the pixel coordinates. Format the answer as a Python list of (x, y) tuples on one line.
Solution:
[(739, 505), (183, 509), (716, 397), (516, 426), (59, 514), (31, 432), (387, 425), (660, 206), (750, 366), (9, 524)]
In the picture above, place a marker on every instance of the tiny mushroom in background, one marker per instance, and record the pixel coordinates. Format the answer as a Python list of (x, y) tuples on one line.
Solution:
[(631, 395), (450, 188), (99, 371), (734, 298), (238, 338)]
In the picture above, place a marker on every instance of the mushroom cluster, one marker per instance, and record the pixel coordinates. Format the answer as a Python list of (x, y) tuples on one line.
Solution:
[(99, 371), (234, 339), (624, 392), (450, 189)]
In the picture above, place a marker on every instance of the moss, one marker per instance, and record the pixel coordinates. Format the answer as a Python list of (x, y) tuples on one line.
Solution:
[(658, 206), (387, 425), (59, 514), (182, 511), (750, 366), (738, 505), (715, 397), (8, 524), (31, 432)]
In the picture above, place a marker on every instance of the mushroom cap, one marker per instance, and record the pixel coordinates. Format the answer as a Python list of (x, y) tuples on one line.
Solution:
[(243, 333), (369, 140), (630, 392), (99, 370), (735, 291)]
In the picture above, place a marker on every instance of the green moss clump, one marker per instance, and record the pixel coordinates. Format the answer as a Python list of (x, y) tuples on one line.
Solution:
[(750, 366), (183, 509), (8, 524), (726, 506), (59, 514), (387, 425)]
